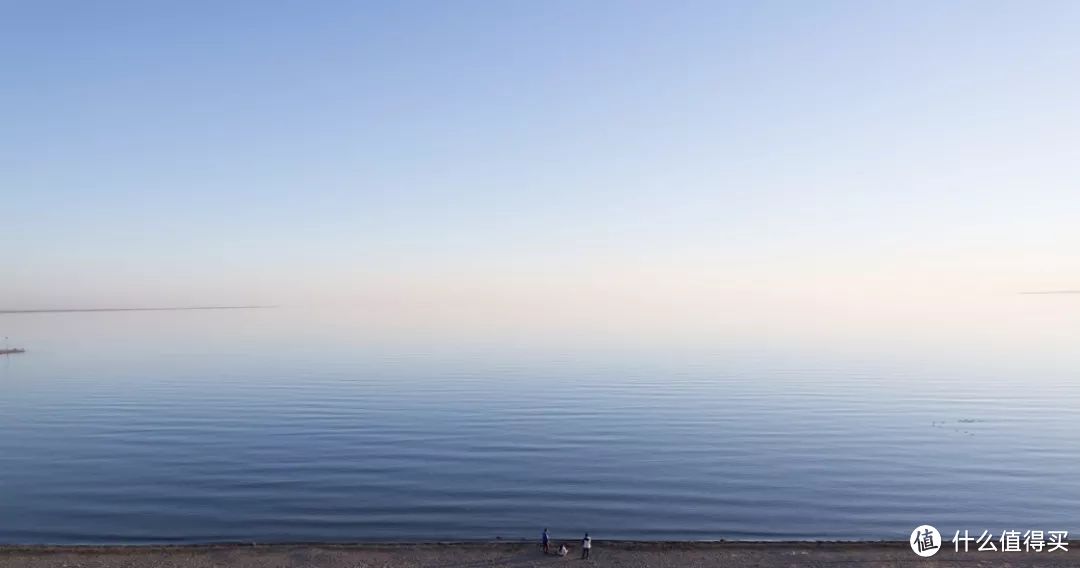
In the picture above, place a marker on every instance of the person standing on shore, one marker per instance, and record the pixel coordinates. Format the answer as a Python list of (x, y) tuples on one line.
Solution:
[(544, 540), (586, 546)]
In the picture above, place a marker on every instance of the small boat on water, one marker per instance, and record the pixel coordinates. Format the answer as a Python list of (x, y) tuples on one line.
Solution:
[(11, 351)]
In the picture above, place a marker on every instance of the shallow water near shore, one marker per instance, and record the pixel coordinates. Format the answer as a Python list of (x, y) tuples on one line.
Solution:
[(213, 426)]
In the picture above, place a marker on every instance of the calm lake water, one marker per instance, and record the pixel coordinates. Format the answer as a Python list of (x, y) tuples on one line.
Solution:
[(230, 426)]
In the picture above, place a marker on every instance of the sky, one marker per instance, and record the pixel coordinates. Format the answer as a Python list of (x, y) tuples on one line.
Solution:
[(660, 165)]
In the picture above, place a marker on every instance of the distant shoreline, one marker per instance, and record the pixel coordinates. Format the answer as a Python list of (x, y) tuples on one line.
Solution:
[(166, 309)]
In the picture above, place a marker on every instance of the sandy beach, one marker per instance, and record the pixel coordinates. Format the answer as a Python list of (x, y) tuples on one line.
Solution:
[(515, 555)]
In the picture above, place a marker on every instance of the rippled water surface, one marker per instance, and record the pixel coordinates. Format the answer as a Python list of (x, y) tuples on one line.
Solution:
[(215, 427)]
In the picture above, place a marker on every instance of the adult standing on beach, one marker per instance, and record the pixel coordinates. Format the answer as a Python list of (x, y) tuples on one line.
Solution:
[(544, 541), (586, 546)]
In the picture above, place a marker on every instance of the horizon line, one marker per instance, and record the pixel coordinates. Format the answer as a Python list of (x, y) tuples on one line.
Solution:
[(151, 309)]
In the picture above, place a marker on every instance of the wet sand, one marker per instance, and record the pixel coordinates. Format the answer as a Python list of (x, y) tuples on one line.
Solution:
[(518, 555)]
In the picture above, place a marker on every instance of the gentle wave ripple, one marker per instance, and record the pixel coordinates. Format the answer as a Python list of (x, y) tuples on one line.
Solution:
[(394, 451)]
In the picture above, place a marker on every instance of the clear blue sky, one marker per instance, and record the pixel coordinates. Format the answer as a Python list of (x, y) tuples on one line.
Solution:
[(218, 152)]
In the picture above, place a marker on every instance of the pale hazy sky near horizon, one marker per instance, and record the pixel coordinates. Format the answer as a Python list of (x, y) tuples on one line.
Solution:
[(507, 160)]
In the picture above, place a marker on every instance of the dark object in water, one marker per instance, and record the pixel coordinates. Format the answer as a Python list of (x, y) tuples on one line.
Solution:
[(11, 351)]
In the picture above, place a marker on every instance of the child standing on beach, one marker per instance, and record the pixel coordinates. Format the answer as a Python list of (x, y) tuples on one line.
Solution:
[(586, 546), (544, 541)]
